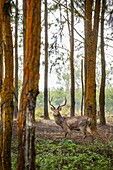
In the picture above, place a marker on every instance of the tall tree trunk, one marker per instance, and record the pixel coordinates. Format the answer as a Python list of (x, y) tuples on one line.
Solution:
[(103, 77), (91, 46), (72, 86), (30, 90), (82, 83), (24, 26), (46, 116), (1, 57), (16, 61), (1, 78), (71, 39), (85, 59), (7, 88)]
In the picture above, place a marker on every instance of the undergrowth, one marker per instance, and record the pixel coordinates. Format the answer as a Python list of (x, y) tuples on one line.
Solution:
[(67, 155)]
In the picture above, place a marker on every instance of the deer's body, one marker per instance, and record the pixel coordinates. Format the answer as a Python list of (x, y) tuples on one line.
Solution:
[(82, 123)]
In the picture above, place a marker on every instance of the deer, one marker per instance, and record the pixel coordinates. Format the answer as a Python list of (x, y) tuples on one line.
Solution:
[(82, 123)]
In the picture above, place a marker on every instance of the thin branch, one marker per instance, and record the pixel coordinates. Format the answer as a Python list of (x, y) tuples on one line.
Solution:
[(76, 11)]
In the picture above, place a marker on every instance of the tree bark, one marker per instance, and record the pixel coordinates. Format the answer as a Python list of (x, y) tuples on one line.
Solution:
[(46, 116), (30, 90), (1, 57), (24, 26), (1, 79), (7, 88), (91, 46), (103, 65), (16, 61), (82, 83), (72, 86)]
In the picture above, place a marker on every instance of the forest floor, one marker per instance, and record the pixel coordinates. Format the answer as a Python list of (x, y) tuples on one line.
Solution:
[(81, 154), (47, 129)]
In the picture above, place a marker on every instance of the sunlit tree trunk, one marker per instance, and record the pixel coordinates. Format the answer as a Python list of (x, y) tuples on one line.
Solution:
[(16, 61), (24, 26), (91, 35), (103, 77), (46, 116), (30, 90), (7, 87), (85, 59), (1, 58), (1, 72), (1, 78)]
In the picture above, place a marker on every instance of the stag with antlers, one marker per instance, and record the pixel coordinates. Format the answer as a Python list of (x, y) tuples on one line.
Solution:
[(82, 123)]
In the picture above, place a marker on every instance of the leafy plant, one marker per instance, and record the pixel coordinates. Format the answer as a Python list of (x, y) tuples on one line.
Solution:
[(67, 155)]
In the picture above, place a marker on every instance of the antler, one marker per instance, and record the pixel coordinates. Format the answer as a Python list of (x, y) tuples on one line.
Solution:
[(63, 103), (50, 103)]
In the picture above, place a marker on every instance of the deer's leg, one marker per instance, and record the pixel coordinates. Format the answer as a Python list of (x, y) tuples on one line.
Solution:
[(84, 134), (83, 130), (66, 134), (67, 131), (90, 132), (69, 134)]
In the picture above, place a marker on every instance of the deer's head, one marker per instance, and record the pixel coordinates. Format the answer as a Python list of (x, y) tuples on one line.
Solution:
[(56, 110)]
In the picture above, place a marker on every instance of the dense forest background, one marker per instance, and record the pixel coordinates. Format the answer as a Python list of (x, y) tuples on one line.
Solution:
[(52, 50), (58, 48)]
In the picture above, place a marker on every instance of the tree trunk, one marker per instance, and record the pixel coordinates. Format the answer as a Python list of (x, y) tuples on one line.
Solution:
[(46, 116), (91, 46), (30, 90), (102, 86), (16, 61), (7, 88), (82, 82), (71, 39), (1, 78), (85, 59), (1, 58), (72, 86), (24, 26)]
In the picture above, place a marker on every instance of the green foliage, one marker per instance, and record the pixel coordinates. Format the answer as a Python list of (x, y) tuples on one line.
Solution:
[(13, 157), (59, 96), (109, 100), (67, 155), (14, 154)]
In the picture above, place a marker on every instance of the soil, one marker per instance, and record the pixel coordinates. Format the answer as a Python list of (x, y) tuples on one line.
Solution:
[(47, 129)]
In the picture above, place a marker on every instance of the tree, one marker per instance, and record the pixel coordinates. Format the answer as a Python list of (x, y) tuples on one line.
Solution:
[(7, 87), (46, 116), (30, 90), (103, 76), (72, 86), (82, 83), (1, 79), (91, 37), (1, 58), (24, 26), (71, 39), (16, 61)]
